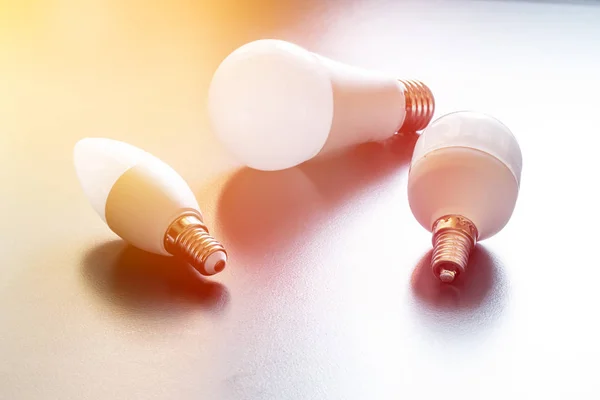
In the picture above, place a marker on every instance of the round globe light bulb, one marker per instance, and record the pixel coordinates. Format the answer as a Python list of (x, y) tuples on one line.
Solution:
[(275, 105)]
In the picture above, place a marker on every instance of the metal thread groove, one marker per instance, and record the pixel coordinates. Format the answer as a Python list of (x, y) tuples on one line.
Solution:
[(420, 106), (453, 240), (195, 246), (188, 238)]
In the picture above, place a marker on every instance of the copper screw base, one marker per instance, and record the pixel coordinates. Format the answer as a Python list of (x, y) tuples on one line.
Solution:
[(454, 237), (420, 106), (188, 239)]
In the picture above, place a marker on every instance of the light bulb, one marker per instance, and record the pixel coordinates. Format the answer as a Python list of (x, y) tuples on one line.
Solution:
[(275, 105), (463, 185), (146, 203)]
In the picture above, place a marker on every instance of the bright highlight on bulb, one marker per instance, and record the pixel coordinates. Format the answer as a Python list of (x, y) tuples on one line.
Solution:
[(463, 185), (275, 105), (145, 202)]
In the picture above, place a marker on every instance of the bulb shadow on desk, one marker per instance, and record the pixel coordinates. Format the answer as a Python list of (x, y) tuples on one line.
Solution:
[(137, 282), (475, 300), (262, 212)]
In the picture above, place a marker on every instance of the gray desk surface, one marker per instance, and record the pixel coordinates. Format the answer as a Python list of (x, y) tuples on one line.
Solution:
[(326, 296)]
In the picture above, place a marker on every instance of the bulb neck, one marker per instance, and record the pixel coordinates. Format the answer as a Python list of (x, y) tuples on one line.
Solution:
[(188, 239), (419, 108), (454, 237)]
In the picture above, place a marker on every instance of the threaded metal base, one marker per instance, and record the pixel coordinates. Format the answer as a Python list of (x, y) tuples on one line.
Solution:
[(453, 240), (188, 239), (420, 106)]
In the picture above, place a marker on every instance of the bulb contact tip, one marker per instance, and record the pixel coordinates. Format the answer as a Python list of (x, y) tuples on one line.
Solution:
[(220, 266), (447, 275)]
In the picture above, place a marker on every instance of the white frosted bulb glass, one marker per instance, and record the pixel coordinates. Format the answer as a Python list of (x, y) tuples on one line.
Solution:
[(275, 105), (145, 202), (463, 185)]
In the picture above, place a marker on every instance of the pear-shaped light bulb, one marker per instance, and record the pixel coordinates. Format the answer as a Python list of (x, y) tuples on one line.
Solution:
[(275, 105)]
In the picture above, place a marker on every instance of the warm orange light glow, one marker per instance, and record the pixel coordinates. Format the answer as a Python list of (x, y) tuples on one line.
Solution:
[(137, 71)]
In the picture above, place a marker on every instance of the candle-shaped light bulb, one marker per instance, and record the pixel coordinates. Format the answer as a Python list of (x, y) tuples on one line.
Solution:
[(275, 105), (145, 202), (463, 185)]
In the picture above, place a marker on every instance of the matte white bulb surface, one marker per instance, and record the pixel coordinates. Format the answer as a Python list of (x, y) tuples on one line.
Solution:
[(99, 163), (135, 193), (466, 164), (275, 105)]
